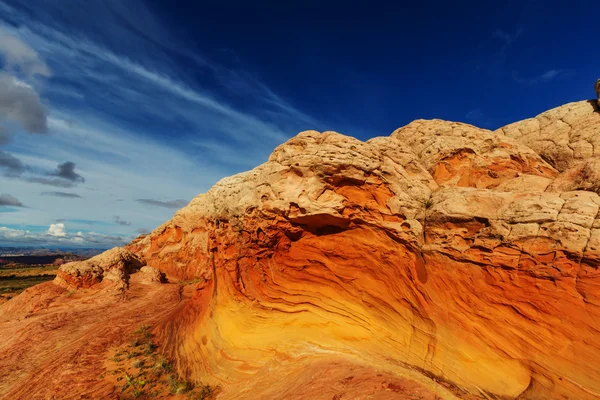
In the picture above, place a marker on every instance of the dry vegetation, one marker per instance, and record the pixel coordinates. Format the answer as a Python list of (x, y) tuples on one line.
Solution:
[(140, 372)]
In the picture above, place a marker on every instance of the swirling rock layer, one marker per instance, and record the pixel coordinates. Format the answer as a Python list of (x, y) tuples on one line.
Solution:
[(462, 260)]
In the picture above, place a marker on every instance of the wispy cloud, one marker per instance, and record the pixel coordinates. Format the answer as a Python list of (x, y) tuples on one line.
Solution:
[(62, 194), (11, 165), (120, 221), (508, 37), (79, 221), (63, 183), (8, 200), (544, 77), (167, 204), (496, 49)]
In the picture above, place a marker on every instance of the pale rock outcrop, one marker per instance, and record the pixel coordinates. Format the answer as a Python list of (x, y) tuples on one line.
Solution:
[(458, 154), (563, 136), (113, 265)]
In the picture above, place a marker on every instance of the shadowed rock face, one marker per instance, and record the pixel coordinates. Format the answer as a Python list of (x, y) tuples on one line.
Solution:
[(462, 260)]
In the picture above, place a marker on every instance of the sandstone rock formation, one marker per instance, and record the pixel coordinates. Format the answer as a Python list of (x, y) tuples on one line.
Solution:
[(442, 261), (113, 265), (563, 136)]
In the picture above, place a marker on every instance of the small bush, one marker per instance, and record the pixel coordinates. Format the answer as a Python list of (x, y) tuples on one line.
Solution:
[(163, 365), (429, 202), (205, 392), (179, 386), (150, 348), (142, 329), (143, 332), (138, 364)]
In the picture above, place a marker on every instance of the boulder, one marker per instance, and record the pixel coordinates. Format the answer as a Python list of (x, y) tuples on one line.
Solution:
[(113, 265)]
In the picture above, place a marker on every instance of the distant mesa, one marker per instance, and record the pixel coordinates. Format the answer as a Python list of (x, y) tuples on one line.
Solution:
[(442, 261)]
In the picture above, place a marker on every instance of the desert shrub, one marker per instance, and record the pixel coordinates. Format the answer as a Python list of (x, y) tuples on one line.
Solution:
[(143, 332), (205, 392), (429, 202), (179, 386), (150, 348), (162, 365)]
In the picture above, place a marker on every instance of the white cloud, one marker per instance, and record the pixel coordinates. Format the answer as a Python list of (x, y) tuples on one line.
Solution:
[(59, 237), (57, 230)]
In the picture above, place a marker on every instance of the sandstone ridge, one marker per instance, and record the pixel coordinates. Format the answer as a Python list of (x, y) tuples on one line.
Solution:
[(461, 261)]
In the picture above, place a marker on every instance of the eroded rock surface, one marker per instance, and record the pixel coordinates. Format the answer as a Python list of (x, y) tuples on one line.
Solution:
[(563, 136), (462, 260), (113, 265)]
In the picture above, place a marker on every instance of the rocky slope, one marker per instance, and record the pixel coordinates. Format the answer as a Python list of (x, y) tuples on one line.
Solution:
[(442, 261)]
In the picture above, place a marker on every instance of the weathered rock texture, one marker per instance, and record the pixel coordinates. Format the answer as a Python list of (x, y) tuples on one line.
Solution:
[(461, 259), (113, 265)]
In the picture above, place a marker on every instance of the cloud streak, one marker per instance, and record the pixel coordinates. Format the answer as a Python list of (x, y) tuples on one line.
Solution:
[(545, 77), (57, 182), (166, 204), (8, 200), (119, 221), (12, 166), (62, 194), (507, 37)]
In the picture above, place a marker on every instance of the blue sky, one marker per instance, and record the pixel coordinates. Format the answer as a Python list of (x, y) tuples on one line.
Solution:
[(113, 114)]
